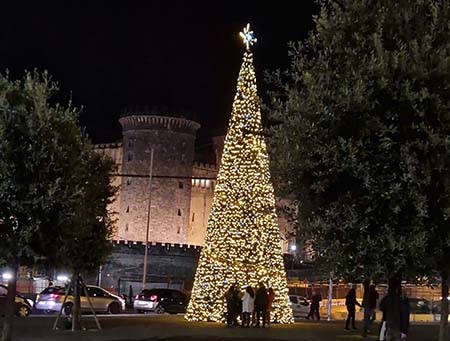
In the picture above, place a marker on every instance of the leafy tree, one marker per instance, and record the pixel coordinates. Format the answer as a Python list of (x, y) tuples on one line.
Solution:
[(364, 139), (54, 189)]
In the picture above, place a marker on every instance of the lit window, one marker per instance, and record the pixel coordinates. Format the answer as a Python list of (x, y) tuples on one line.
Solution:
[(207, 183)]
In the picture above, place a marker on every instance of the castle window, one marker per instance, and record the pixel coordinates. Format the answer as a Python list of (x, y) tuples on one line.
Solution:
[(128, 209), (179, 212), (179, 229), (130, 156), (126, 227), (180, 185), (130, 143), (193, 216), (183, 158), (128, 181)]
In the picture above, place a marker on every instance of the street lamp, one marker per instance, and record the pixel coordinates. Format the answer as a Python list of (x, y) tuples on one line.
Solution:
[(144, 275)]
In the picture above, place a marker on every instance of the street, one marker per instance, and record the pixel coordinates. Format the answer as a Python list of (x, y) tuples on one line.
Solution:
[(174, 327)]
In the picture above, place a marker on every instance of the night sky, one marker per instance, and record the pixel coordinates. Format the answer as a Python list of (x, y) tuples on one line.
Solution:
[(179, 54)]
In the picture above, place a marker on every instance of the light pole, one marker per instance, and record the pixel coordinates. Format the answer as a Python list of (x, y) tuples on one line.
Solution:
[(144, 275)]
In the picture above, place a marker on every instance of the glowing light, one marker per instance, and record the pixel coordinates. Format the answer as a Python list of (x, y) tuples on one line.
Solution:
[(62, 278), (247, 36), (293, 247), (242, 242), (7, 276)]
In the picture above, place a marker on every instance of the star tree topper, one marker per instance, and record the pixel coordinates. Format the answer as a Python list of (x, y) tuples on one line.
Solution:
[(247, 36)]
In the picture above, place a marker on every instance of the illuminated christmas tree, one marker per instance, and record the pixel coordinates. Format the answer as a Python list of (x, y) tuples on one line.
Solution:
[(243, 241)]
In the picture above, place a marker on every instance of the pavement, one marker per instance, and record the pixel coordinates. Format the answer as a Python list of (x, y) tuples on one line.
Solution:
[(176, 328)]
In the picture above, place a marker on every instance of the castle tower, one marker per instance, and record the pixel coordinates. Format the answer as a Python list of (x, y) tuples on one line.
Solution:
[(172, 140)]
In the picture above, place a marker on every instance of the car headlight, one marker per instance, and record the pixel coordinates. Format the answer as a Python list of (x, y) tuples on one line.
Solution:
[(30, 302)]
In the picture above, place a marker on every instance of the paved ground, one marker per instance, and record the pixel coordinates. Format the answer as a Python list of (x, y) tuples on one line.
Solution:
[(175, 328)]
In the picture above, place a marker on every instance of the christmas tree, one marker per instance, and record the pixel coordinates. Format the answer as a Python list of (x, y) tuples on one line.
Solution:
[(243, 242)]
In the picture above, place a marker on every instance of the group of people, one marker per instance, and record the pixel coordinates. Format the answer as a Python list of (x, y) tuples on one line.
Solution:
[(369, 305), (251, 307)]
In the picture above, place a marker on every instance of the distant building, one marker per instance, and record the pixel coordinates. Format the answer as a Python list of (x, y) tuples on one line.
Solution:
[(182, 188)]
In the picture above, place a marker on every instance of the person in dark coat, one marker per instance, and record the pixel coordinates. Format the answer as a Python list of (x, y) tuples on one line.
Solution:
[(315, 303), (383, 308), (232, 297), (261, 301), (404, 316), (351, 303), (369, 308)]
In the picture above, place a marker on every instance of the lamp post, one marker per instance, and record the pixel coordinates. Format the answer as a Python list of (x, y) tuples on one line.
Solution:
[(144, 275)]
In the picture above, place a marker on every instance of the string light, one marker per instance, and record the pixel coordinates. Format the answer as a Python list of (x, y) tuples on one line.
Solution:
[(242, 242)]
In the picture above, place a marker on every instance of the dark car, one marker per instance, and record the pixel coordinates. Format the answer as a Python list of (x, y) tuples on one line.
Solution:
[(419, 306), (161, 301), (23, 304)]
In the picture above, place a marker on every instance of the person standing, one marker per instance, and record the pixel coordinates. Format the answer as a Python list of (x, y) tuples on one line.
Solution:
[(404, 315), (351, 303), (383, 308), (315, 304), (369, 308), (230, 297), (270, 298), (248, 306), (261, 305)]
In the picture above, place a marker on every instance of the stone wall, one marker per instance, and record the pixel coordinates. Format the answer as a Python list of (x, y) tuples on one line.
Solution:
[(172, 141), (167, 264)]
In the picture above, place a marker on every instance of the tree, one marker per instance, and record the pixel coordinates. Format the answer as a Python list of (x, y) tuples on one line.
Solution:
[(54, 189), (242, 245), (364, 139)]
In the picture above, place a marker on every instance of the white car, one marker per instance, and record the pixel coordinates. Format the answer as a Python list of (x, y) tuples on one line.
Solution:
[(300, 305), (51, 299)]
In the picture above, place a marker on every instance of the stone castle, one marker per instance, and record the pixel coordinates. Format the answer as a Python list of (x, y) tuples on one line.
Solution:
[(182, 189)]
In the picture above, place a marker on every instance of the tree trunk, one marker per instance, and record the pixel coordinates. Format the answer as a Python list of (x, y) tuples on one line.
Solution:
[(393, 308), (10, 306), (76, 311), (443, 325)]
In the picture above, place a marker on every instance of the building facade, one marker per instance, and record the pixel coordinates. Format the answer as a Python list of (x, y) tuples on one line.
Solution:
[(182, 189)]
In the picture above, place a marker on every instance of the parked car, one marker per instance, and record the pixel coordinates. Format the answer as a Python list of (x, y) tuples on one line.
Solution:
[(161, 301), (300, 305), (51, 299), (419, 306), (23, 304)]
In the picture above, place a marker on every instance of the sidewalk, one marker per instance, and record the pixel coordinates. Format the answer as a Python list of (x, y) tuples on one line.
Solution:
[(175, 328)]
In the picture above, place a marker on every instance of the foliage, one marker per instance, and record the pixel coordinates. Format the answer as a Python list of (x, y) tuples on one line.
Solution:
[(54, 190), (365, 135)]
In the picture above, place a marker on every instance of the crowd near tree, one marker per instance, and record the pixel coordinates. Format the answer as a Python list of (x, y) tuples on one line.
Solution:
[(363, 144), (54, 189)]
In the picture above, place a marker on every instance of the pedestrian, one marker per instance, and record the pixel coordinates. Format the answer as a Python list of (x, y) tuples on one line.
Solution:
[(404, 315), (130, 295), (261, 305), (351, 302), (369, 308), (315, 304), (383, 308), (270, 298), (230, 297), (248, 306)]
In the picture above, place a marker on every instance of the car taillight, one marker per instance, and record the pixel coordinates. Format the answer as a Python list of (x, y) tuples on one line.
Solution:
[(137, 297), (54, 295), (153, 297)]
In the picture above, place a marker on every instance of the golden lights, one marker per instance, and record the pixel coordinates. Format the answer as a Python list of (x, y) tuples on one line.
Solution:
[(242, 242)]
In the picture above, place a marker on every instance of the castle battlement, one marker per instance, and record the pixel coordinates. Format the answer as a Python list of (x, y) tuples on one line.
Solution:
[(143, 122), (129, 243), (112, 145), (206, 166)]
